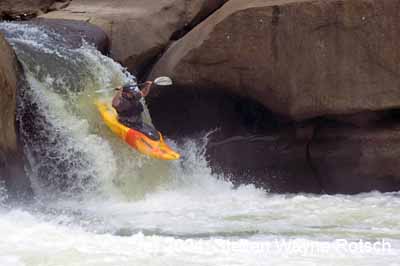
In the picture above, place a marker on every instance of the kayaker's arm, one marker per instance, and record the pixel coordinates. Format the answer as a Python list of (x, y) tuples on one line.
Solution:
[(117, 99), (147, 86)]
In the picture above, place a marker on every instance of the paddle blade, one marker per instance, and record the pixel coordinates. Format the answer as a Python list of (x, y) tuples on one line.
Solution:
[(163, 81)]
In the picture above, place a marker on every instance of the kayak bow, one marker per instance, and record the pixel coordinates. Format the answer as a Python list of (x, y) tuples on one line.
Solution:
[(157, 149)]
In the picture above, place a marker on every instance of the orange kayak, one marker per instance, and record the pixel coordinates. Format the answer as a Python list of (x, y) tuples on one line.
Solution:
[(153, 147)]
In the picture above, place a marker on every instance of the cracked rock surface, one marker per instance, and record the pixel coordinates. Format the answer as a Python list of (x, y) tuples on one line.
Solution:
[(139, 30)]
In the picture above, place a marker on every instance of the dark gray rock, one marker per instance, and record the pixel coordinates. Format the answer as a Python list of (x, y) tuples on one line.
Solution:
[(11, 155), (74, 32), (23, 9)]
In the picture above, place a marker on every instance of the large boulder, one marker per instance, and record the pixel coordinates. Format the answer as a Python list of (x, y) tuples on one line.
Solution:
[(245, 143), (299, 58), (347, 159), (250, 145), (139, 30), (326, 157), (23, 9), (276, 160), (328, 70), (11, 156), (74, 32)]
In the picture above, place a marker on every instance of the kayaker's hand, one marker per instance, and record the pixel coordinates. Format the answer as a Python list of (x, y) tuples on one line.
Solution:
[(146, 89), (117, 99)]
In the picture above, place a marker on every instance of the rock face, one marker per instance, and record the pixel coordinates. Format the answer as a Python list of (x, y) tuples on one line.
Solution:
[(251, 145), (74, 32), (299, 58), (139, 30), (350, 160), (327, 70), (23, 9), (11, 158), (248, 144)]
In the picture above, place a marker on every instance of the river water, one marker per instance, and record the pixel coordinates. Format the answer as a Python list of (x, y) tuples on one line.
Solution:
[(97, 202)]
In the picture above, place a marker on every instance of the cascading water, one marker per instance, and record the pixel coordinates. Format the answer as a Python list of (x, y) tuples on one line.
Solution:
[(98, 202), (66, 150)]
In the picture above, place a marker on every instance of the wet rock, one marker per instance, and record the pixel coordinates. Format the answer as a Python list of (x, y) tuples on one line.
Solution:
[(11, 156), (351, 160), (247, 144), (23, 9), (251, 145), (75, 32), (299, 58), (275, 161), (139, 30)]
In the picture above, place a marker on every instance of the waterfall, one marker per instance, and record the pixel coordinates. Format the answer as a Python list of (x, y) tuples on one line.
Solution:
[(99, 202)]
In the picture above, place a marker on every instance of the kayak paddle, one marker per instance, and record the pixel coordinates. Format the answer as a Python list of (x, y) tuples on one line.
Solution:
[(160, 81)]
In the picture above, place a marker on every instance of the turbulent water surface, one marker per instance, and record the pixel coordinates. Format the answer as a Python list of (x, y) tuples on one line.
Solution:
[(98, 203)]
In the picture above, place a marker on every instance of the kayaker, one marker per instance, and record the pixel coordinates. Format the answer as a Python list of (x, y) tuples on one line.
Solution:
[(127, 103)]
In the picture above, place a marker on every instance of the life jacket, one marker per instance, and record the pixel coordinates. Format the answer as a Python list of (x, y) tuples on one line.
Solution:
[(129, 107)]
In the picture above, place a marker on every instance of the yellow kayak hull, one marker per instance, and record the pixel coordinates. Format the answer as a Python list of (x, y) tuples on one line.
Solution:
[(157, 149)]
